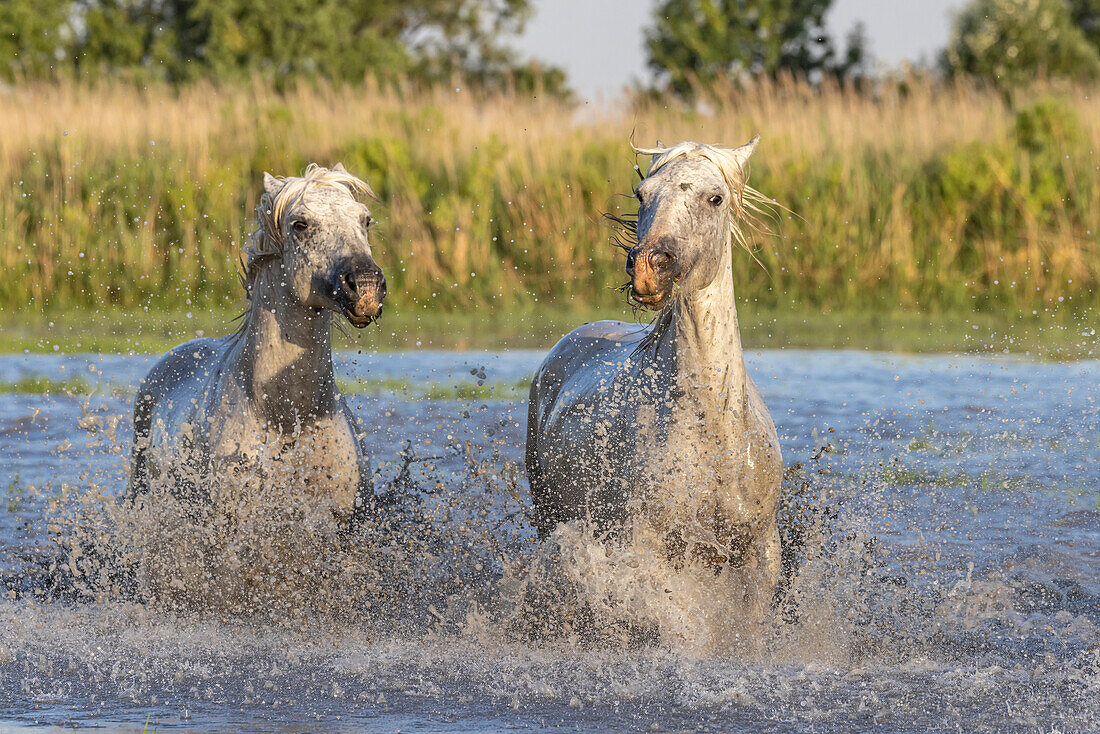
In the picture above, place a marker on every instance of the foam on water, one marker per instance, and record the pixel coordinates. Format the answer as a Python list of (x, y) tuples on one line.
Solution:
[(950, 584)]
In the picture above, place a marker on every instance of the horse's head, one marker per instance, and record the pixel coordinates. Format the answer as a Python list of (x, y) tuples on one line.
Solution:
[(321, 231), (690, 202)]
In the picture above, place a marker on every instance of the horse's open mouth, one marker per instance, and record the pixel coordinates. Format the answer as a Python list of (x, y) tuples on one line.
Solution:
[(649, 300), (361, 320)]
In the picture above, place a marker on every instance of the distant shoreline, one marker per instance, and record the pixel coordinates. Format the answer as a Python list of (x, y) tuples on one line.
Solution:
[(1056, 335)]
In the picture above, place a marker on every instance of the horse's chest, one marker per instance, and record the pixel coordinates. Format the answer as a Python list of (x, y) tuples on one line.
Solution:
[(319, 460)]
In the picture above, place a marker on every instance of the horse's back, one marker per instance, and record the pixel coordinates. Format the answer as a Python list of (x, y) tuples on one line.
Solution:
[(590, 345), (584, 361), (180, 372), (567, 395), (181, 363)]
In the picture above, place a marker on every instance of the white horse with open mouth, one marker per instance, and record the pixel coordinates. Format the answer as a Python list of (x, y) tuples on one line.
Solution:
[(263, 401), (658, 432)]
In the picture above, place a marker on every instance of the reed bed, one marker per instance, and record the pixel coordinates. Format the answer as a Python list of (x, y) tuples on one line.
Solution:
[(913, 195)]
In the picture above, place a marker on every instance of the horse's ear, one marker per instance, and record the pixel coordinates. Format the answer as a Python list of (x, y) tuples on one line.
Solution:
[(742, 153), (340, 167), (272, 185)]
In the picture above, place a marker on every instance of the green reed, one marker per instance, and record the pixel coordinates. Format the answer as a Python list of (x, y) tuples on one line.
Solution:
[(917, 197)]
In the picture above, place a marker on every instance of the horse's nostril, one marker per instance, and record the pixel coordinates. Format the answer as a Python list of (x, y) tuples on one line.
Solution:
[(349, 283), (356, 284)]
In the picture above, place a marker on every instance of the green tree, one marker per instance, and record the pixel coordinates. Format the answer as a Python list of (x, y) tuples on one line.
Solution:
[(115, 34), (1012, 41), (1086, 15), (699, 41), (33, 37), (465, 37), (225, 39), (183, 40)]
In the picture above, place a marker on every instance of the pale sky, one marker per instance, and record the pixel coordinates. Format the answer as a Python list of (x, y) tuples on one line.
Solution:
[(599, 42)]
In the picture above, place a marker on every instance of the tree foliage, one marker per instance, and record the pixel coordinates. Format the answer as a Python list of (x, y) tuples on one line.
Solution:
[(1012, 41), (699, 41), (1086, 15), (343, 40), (32, 33)]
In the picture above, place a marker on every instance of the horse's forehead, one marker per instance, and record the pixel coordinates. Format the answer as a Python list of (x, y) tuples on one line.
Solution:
[(334, 200), (693, 170)]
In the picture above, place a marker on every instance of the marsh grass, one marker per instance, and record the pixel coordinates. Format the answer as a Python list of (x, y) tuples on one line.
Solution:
[(39, 385), (408, 390), (1056, 335), (987, 480), (404, 389), (913, 196)]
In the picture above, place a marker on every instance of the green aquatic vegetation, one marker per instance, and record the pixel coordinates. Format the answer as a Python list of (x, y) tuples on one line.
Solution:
[(376, 386), (1054, 335), (408, 390), (902, 476), (16, 494), (73, 386), (932, 441), (46, 385), (992, 481), (403, 388), (921, 443), (899, 475), (137, 331)]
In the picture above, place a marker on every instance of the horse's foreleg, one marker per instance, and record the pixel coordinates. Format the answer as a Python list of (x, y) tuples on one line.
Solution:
[(545, 517), (139, 475), (769, 561), (139, 462), (364, 508)]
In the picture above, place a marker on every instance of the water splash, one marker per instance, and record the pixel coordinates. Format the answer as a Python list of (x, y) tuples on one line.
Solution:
[(445, 606)]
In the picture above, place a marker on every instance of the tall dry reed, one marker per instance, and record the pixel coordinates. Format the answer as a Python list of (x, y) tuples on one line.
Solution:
[(913, 195)]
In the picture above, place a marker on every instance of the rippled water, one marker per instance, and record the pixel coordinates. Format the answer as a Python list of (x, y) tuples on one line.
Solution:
[(958, 587)]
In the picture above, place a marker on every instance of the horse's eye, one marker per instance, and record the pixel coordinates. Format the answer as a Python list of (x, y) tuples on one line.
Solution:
[(716, 199), (300, 225)]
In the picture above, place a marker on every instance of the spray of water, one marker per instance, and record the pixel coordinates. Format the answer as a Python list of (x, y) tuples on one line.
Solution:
[(442, 591)]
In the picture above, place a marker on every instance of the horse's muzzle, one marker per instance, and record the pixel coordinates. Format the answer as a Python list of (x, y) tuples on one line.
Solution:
[(360, 292), (653, 268)]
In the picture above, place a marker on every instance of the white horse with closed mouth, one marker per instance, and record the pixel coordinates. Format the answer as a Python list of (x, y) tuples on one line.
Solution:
[(658, 432), (263, 401)]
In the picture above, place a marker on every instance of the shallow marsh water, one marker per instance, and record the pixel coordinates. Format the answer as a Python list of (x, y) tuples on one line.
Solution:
[(958, 587)]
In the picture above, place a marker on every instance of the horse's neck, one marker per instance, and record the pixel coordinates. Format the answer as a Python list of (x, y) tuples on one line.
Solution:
[(283, 359), (704, 347)]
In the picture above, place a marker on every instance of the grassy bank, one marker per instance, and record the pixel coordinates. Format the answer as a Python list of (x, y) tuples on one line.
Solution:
[(1044, 335), (913, 197), (407, 389)]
